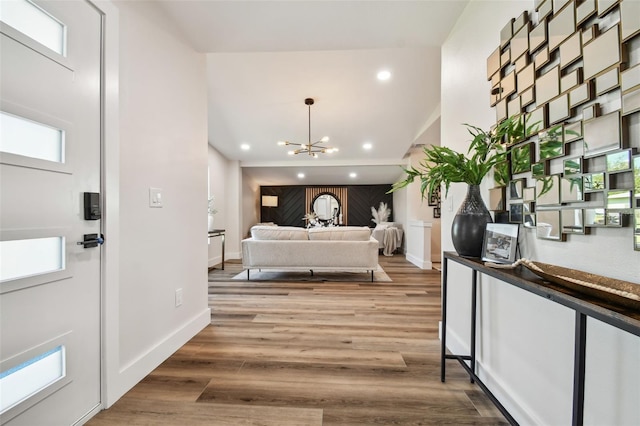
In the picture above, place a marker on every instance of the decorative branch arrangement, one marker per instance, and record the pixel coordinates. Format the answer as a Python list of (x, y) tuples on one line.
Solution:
[(382, 214)]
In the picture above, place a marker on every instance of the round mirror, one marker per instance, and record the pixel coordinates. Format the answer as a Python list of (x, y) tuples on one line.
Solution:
[(326, 207)]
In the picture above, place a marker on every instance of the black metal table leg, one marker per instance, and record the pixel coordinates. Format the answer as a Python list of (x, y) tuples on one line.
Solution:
[(443, 325), (580, 346), (474, 291)]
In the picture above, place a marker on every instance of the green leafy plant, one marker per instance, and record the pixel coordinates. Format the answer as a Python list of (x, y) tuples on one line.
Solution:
[(443, 165)]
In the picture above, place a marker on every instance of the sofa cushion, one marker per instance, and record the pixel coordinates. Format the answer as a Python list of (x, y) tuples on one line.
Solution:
[(278, 233), (343, 233)]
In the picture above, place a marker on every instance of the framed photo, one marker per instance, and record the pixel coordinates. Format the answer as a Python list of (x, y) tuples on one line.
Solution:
[(500, 242), (434, 197)]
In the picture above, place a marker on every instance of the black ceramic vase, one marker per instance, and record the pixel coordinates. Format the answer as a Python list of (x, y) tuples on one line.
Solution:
[(467, 230)]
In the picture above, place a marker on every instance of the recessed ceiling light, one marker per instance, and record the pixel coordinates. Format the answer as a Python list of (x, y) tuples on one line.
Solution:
[(245, 147), (300, 175), (352, 175), (384, 75), (367, 146)]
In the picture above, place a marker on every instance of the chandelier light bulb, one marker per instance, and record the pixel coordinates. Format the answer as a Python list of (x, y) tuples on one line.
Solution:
[(282, 143), (325, 139), (291, 152)]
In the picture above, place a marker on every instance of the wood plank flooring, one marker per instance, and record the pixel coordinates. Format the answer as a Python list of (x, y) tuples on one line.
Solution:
[(309, 353)]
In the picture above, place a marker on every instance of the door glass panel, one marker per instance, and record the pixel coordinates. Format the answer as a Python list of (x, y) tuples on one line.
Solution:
[(31, 139), (34, 22), (24, 258), (30, 377)]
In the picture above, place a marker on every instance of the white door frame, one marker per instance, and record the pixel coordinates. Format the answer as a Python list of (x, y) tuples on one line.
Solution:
[(110, 182)]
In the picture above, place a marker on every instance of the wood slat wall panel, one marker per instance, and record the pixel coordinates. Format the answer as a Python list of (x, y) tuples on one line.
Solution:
[(339, 192)]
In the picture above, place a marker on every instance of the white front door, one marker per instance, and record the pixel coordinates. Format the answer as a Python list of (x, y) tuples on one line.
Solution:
[(50, 133)]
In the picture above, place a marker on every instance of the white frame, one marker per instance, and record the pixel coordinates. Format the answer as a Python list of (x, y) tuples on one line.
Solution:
[(509, 232)]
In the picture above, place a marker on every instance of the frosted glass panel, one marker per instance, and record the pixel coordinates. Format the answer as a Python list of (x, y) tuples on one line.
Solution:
[(30, 377), (32, 21), (24, 258), (25, 137)]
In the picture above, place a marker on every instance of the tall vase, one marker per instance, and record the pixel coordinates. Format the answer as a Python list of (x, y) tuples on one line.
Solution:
[(467, 230), (210, 223)]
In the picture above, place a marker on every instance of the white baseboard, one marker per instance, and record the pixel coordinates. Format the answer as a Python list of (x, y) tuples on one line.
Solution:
[(130, 374), (227, 256), (507, 397), (233, 255), (215, 261), (420, 263)]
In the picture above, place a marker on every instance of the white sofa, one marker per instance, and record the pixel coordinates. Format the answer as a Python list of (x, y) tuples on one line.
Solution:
[(315, 249)]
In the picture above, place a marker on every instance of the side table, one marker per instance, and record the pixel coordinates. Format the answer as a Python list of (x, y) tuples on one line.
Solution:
[(218, 233)]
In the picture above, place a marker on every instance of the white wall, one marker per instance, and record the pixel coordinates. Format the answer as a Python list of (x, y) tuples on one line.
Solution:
[(163, 139), (420, 209), (525, 342), (400, 213), (224, 184), (250, 204)]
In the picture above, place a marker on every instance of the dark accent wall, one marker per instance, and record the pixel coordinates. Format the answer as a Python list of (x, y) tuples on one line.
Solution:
[(290, 210), (362, 198), (291, 204)]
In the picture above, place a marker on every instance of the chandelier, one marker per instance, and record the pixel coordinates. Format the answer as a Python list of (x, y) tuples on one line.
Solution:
[(313, 149)]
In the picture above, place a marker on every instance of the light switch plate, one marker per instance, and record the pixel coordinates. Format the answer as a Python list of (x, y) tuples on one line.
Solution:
[(155, 197)]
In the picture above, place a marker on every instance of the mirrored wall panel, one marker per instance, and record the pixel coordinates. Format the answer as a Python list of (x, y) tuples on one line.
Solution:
[(572, 70), (548, 190), (548, 224), (573, 221)]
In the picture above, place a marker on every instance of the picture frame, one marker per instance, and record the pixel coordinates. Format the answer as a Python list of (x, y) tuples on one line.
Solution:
[(500, 242), (434, 197)]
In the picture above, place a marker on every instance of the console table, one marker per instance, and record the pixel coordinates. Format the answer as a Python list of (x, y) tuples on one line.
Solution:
[(583, 305), (218, 233)]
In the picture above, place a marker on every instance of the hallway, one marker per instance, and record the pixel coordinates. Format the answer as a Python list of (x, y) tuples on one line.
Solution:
[(309, 353)]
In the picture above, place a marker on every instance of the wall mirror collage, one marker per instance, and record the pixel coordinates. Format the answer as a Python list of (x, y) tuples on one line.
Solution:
[(569, 74)]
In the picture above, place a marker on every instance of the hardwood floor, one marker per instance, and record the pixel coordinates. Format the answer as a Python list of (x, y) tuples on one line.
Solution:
[(309, 353)]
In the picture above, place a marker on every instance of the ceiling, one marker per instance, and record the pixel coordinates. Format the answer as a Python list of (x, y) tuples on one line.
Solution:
[(265, 57)]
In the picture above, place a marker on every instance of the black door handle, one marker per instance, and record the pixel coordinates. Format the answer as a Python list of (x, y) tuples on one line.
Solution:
[(91, 240)]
